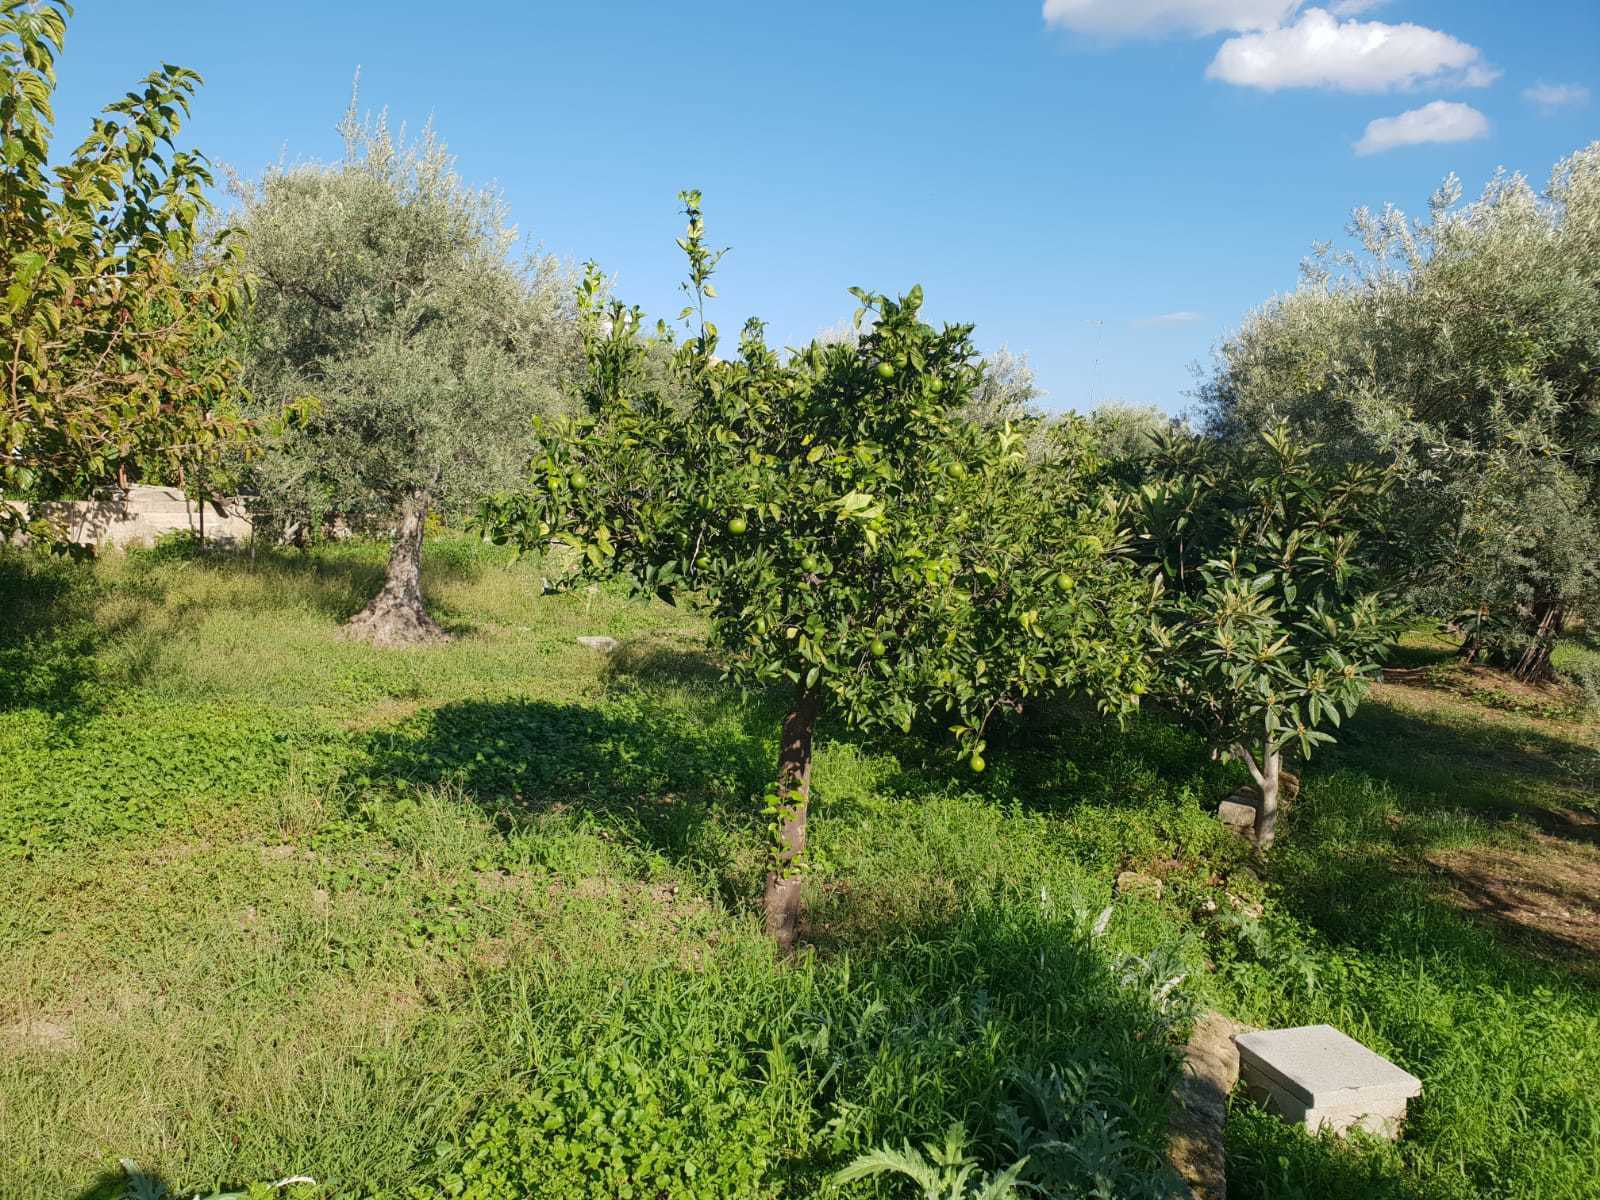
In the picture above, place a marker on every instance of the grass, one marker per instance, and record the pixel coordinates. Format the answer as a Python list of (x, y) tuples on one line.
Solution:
[(479, 919)]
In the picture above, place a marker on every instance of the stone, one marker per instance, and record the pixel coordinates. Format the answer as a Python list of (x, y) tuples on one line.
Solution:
[(1239, 818), (1317, 1077), (1136, 883), (140, 515), (606, 645), (1198, 1108)]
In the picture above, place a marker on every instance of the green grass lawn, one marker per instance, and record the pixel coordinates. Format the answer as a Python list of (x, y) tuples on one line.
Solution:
[(480, 919)]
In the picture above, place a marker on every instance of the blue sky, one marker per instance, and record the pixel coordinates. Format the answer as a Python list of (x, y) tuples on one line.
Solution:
[(1105, 185)]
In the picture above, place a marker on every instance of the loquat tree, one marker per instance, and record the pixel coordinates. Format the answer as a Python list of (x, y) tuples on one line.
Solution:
[(1269, 631)]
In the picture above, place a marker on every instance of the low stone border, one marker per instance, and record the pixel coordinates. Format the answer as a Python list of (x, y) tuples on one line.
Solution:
[(1198, 1109)]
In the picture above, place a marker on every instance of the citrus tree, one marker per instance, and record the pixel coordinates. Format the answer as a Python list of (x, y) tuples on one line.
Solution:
[(115, 310), (854, 539), (1268, 632)]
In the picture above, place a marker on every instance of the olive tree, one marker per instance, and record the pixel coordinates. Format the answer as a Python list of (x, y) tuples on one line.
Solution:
[(854, 539), (387, 291), (1269, 631), (115, 312), (1463, 348)]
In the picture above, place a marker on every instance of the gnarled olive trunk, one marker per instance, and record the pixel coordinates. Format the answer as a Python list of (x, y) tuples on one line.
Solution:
[(782, 901), (395, 616), (1534, 665)]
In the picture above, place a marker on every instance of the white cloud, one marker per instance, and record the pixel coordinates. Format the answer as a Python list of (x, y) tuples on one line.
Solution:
[(1551, 97), (1319, 50), (1441, 121), (1128, 18), (1172, 318)]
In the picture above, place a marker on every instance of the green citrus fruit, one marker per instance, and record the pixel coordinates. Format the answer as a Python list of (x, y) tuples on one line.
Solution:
[(1065, 582), (977, 764), (578, 480), (737, 526), (958, 471), (809, 564), (878, 648), (885, 370)]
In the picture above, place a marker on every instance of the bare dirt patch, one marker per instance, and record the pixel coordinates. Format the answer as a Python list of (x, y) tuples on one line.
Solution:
[(1490, 691), (48, 1034), (1545, 899)]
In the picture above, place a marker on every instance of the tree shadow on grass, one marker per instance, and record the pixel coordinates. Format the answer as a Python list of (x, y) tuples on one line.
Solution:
[(666, 779), (48, 637), (1479, 765), (960, 1020), (117, 1184)]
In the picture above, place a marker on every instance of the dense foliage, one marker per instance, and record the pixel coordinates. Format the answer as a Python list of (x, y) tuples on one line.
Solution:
[(389, 294), (1465, 348), (850, 534), (116, 312), (1269, 632)]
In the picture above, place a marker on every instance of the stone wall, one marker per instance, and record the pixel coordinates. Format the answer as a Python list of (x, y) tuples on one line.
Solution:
[(141, 514)]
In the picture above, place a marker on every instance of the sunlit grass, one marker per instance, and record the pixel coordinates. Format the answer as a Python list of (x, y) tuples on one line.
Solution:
[(281, 903)]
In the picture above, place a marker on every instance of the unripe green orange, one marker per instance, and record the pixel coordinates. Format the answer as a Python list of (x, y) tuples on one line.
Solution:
[(737, 526)]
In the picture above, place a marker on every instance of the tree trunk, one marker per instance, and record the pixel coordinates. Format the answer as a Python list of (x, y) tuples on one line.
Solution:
[(1534, 665), (782, 900), (396, 616), (1268, 774), (1267, 813)]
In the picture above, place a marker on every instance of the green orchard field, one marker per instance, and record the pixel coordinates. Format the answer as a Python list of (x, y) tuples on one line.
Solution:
[(482, 919)]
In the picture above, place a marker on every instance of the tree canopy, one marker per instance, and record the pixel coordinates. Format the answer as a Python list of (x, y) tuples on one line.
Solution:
[(1268, 628), (1465, 349), (116, 311), (390, 294), (853, 537)]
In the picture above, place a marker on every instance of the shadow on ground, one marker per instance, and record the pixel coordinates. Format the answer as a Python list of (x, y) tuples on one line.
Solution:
[(121, 1184)]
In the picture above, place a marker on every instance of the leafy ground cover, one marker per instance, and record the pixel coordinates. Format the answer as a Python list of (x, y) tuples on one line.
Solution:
[(480, 919)]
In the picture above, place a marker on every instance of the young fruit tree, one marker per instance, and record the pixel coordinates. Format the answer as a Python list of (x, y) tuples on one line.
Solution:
[(388, 293), (115, 311), (852, 538), (1268, 633)]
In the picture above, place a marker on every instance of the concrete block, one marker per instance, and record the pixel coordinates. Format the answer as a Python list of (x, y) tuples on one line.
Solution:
[(1317, 1077)]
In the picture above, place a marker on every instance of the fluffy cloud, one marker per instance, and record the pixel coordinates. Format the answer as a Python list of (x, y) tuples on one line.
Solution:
[(1319, 50), (1441, 121), (1172, 318), (1126, 18), (1552, 97), (1354, 8)]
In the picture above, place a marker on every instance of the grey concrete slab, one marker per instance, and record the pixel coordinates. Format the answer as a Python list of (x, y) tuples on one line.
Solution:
[(1317, 1075)]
